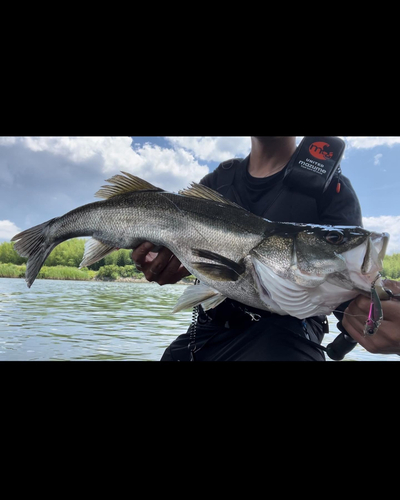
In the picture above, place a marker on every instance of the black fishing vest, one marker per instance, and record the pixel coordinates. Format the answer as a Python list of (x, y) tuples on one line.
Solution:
[(302, 192), (284, 203)]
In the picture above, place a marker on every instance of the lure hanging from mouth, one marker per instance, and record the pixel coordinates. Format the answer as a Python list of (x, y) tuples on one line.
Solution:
[(375, 315)]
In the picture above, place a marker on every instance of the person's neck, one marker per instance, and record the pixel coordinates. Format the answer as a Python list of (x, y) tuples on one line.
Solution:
[(271, 156)]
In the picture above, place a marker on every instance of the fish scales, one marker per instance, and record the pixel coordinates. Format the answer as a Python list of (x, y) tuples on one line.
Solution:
[(164, 219)]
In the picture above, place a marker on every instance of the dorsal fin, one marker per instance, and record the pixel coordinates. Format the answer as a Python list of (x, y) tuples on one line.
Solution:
[(125, 183), (199, 191)]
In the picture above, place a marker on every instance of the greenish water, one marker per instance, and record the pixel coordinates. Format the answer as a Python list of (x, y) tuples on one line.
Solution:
[(79, 320)]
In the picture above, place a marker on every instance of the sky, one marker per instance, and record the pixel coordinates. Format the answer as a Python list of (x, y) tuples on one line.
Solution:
[(45, 177)]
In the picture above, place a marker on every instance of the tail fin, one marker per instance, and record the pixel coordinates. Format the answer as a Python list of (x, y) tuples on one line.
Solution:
[(33, 243)]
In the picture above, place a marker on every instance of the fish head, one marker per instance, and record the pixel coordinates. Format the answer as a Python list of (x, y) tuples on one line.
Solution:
[(365, 261), (305, 270), (310, 254), (347, 254)]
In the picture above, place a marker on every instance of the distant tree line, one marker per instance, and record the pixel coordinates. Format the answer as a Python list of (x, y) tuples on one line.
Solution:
[(69, 253), (391, 266)]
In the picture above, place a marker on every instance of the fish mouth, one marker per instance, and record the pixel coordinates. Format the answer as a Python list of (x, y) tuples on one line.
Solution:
[(366, 261), (375, 252)]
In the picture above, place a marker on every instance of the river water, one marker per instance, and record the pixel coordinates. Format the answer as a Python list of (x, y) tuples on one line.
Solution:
[(84, 320)]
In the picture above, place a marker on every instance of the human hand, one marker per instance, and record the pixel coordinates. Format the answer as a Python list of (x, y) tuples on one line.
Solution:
[(162, 267), (387, 339)]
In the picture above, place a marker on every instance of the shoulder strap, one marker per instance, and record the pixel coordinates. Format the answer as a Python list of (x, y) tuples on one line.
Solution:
[(226, 173)]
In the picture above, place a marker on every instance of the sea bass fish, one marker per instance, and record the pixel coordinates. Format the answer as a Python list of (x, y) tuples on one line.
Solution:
[(300, 270)]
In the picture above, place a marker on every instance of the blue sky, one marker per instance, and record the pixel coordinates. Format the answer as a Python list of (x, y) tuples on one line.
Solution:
[(44, 177)]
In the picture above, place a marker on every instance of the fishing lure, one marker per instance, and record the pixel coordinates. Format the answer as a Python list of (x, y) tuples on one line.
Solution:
[(375, 315)]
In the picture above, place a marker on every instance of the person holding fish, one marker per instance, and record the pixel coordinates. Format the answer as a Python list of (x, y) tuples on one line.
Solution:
[(275, 241), (260, 184)]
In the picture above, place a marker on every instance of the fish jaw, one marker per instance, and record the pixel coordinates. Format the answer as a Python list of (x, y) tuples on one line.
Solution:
[(366, 261), (377, 250)]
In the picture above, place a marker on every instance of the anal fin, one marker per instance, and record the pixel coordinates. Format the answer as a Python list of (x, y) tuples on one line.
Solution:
[(198, 294), (94, 251)]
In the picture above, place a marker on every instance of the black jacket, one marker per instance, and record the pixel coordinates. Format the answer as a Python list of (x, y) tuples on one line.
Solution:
[(225, 333)]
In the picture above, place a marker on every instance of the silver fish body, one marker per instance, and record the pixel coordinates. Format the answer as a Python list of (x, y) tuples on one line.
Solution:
[(296, 269)]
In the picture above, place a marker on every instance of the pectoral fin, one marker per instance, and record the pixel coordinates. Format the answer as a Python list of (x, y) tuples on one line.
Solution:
[(220, 269), (215, 272)]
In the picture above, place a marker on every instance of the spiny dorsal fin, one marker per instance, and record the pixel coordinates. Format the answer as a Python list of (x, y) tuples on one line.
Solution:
[(199, 191), (125, 183)]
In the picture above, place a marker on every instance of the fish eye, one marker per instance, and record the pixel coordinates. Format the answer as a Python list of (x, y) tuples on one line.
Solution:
[(335, 237)]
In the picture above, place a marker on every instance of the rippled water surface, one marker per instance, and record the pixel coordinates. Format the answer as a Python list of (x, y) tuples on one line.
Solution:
[(80, 320)]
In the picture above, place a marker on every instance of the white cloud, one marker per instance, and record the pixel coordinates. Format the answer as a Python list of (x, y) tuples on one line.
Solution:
[(171, 168), (389, 224), (7, 141), (113, 150), (222, 148), (8, 229), (377, 159), (363, 142), (181, 159), (214, 148)]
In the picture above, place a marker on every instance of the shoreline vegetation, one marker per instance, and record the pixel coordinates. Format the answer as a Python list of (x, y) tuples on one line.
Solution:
[(63, 264), (74, 274)]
